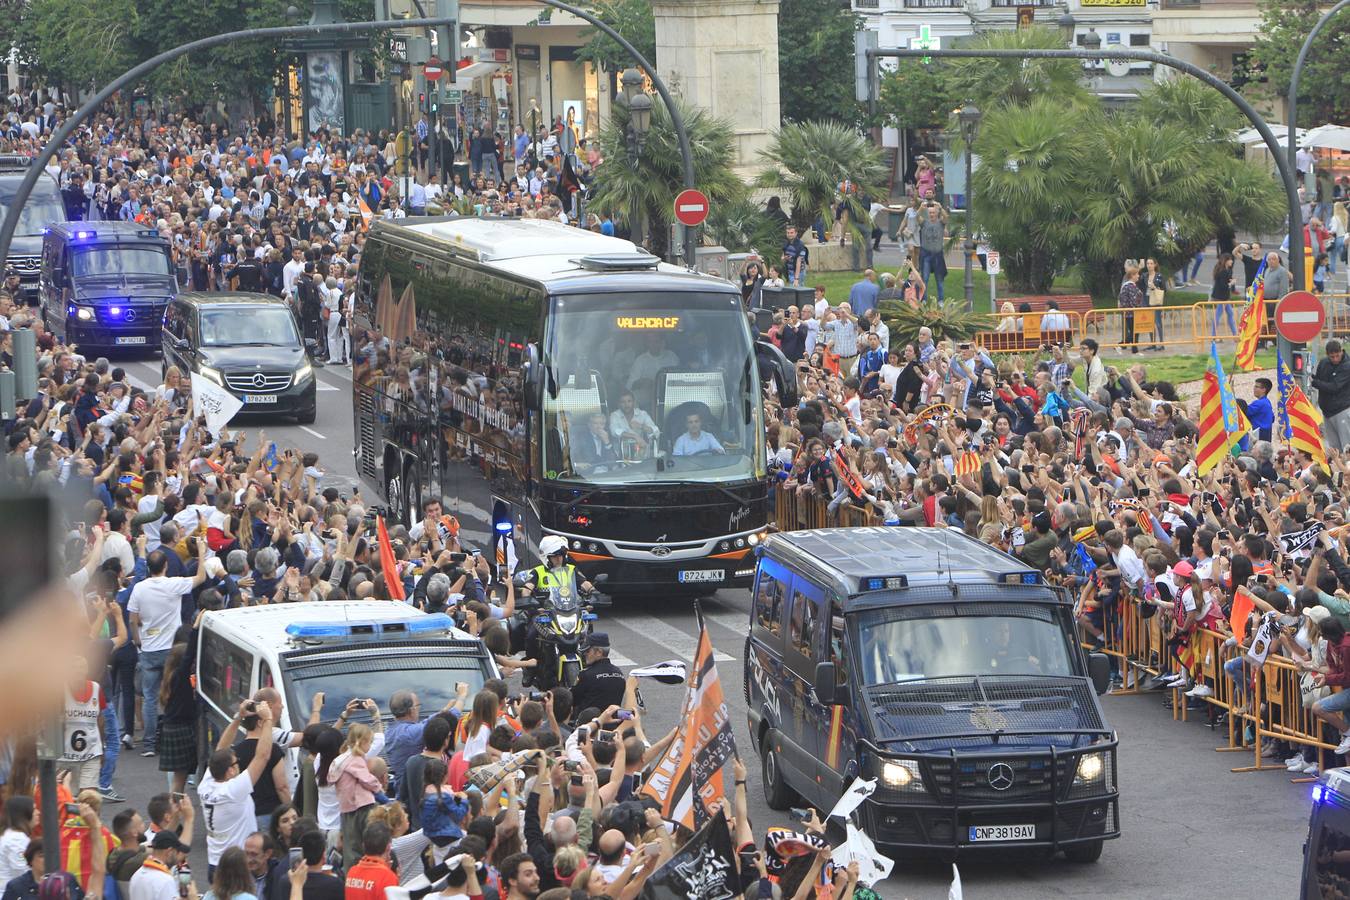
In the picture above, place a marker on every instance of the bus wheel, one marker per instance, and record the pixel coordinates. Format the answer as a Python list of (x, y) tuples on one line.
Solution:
[(1084, 853), (393, 492), (776, 792)]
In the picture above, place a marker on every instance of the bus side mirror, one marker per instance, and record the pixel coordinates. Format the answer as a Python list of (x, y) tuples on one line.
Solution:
[(533, 372), (825, 685), (773, 364), (1099, 668)]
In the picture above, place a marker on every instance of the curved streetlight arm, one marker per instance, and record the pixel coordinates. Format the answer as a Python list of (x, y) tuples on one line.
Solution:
[(1296, 245), (136, 73), (1283, 164)]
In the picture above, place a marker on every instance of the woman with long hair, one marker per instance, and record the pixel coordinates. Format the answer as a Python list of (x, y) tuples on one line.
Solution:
[(1130, 299), (18, 832), (1222, 292), (177, 742), (1154, 285), (325, 743), (232, 879), (478, 725)]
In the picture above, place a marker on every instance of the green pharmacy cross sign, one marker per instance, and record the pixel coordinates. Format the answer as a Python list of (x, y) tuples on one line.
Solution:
[(925, 41)]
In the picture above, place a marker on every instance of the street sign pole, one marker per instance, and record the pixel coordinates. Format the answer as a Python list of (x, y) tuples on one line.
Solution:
[(993, 265)]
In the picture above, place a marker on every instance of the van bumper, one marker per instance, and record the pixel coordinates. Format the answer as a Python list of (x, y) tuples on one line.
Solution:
[(120, 338), (1056, 826)]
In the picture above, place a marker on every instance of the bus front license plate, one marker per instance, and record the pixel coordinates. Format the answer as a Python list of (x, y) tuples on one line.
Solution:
[(994, 833), (690, 576), (260, 398)]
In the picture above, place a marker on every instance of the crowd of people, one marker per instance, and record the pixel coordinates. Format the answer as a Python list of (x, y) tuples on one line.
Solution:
[(507, 793)]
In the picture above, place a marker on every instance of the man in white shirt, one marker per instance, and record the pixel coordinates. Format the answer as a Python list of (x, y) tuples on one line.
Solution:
[(226, 792), (156, 609), (153, 483), (632, 423), (292, 271), (118, 542), (156, 878)]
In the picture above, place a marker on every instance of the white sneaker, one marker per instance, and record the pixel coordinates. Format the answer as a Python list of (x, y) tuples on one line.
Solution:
[(1181, 685), (1296, 758), (1310, 769), (1296, 764), (1344, 746), (1200, 690)]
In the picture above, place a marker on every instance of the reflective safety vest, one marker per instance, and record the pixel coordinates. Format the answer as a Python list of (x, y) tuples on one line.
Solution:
[(545, 578)]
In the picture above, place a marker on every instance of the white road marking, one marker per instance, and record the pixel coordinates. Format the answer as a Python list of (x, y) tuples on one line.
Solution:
[(326, 387), (313, 432), (620, 660), (678, 641), (140, 383)]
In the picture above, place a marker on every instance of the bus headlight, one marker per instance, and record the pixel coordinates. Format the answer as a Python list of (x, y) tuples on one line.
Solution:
[(899, 773), (1090, 767)]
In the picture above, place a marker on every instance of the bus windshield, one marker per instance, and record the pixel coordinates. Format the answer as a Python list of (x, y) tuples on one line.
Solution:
[(903, 649), (651, 388)]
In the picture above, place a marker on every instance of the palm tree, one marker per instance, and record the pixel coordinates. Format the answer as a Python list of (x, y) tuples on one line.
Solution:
[(742, 225), (659, 174), (1195, 106), (1031, 160), (808, 161), (1015, 82)]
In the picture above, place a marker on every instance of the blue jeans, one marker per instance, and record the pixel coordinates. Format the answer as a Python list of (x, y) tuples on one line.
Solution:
[(1218, 313), (798, 279), (124, 692), (1240, 674), (151, 667), (112, 747), (928, 260), (1335, 253), (1199, 260)]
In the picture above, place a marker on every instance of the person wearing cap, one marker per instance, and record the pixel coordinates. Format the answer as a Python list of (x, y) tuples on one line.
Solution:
[(156, 879), (601, 683), (1332, 380), (1036, 552)]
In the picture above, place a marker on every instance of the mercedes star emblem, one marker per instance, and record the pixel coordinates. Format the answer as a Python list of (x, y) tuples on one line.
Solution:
[(1000, 776), (259, 380), (131, 315)]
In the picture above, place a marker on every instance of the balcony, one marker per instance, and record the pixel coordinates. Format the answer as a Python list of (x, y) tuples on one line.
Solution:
[(1013, 4), (935, 4), (866, 4), (1208, 5)]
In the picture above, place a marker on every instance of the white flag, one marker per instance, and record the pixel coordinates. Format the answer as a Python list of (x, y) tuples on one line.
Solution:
[(858, 847), (857, 792), (211, 400), (955, 893), (670, 672)]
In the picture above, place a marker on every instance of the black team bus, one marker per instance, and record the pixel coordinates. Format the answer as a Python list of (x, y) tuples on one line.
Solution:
[(539, 379)]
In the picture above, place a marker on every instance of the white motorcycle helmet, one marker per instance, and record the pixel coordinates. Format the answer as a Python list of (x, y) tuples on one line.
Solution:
[(552, 544)]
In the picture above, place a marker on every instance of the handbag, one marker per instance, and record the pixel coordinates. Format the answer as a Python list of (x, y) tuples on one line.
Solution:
[(1155, 296)]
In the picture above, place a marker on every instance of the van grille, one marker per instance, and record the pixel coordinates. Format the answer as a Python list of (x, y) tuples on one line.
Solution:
[(258, 381), (26, 265)]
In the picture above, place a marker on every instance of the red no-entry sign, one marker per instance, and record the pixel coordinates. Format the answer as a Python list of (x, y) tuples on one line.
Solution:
[(433, 69), (1299, 316), (691, 207)]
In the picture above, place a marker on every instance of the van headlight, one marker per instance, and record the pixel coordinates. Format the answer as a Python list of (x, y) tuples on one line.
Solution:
[(900, 773), (304, 373), (84, 313), (212, 374), (1090, 768)]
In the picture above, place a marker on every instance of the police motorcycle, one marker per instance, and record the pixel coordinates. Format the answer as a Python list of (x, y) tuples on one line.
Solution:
[(558, 613)]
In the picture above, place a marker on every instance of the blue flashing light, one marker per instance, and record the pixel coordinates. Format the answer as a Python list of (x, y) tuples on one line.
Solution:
[(541, 620), (1319, 793), (589, 617), (429, 623), (116, 310), (1031, 577), (885, 583), (503, 527), (85, 235), (315, 630), (392, 629)]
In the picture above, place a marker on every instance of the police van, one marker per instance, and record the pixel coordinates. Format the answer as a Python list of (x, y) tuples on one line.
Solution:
[(1326, 855), (347, 650), (942, 668)]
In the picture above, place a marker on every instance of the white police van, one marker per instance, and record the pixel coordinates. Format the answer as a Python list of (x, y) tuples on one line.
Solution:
[(347, 649)]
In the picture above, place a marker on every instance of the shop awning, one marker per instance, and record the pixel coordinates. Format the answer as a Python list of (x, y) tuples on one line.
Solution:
[(476, 70)]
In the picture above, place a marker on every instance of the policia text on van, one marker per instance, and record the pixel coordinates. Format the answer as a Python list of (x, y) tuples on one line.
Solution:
[(941, 667)]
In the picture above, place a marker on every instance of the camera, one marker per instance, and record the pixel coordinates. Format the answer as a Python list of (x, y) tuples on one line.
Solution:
[(538, 696)]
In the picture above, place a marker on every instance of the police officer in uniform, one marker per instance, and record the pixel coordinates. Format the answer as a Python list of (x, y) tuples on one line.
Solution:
[(554, 571), (602, 683)]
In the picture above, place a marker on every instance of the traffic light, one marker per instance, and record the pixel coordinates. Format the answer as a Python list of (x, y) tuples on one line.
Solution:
[(1298, 363)]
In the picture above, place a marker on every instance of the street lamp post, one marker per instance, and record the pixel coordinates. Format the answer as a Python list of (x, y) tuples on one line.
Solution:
[(639, 105), (1067, 25), (969, 118)]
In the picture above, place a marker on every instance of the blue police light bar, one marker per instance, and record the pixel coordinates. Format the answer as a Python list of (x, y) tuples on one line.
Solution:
[(84, 235), (389, 630), (503, 527), (887, 583)]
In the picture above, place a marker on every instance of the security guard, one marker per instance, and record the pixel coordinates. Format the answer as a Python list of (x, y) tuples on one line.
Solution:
[(602, 683)]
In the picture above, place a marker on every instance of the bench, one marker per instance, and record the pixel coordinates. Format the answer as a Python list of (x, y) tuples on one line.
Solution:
[(1030, 336)]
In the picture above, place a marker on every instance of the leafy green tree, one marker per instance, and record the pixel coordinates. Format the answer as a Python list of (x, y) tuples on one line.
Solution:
[(1032, 159), (815, 61), (742, 225), (631, 18), (916, 94), (1015, 82), (659, 174), (73, 41), (1193, 105), (806, 162), (1285, 24)]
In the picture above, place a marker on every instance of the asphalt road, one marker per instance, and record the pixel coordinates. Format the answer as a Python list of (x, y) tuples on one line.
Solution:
[(1191, 827)]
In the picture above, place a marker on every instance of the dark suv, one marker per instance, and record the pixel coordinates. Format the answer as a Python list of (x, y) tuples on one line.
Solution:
[(250, 344), (44, 207), (105, 284)]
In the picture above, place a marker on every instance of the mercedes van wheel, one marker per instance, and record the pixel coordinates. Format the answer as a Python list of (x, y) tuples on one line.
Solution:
[(1084, 853), (776, 792)]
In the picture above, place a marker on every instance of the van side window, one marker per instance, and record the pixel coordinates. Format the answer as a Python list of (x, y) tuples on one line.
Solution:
[(802, 628), (225, 671), (769, 603), (837, 643)]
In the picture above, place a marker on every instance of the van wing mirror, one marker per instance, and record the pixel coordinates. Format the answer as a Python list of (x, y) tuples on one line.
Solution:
[(1099, 669), (825, 686), (774, 365)]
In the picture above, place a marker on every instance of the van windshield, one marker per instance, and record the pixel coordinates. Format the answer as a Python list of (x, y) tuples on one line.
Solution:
[(905, 648), (41, 210), (432, 678), (117, 261), (264, 326)]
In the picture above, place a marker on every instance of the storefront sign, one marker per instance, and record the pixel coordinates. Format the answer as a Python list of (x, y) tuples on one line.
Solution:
[(527, 51), (1114, 3)]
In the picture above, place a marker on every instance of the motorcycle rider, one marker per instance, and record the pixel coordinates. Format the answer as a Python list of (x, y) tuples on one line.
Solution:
[(554, 572)]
